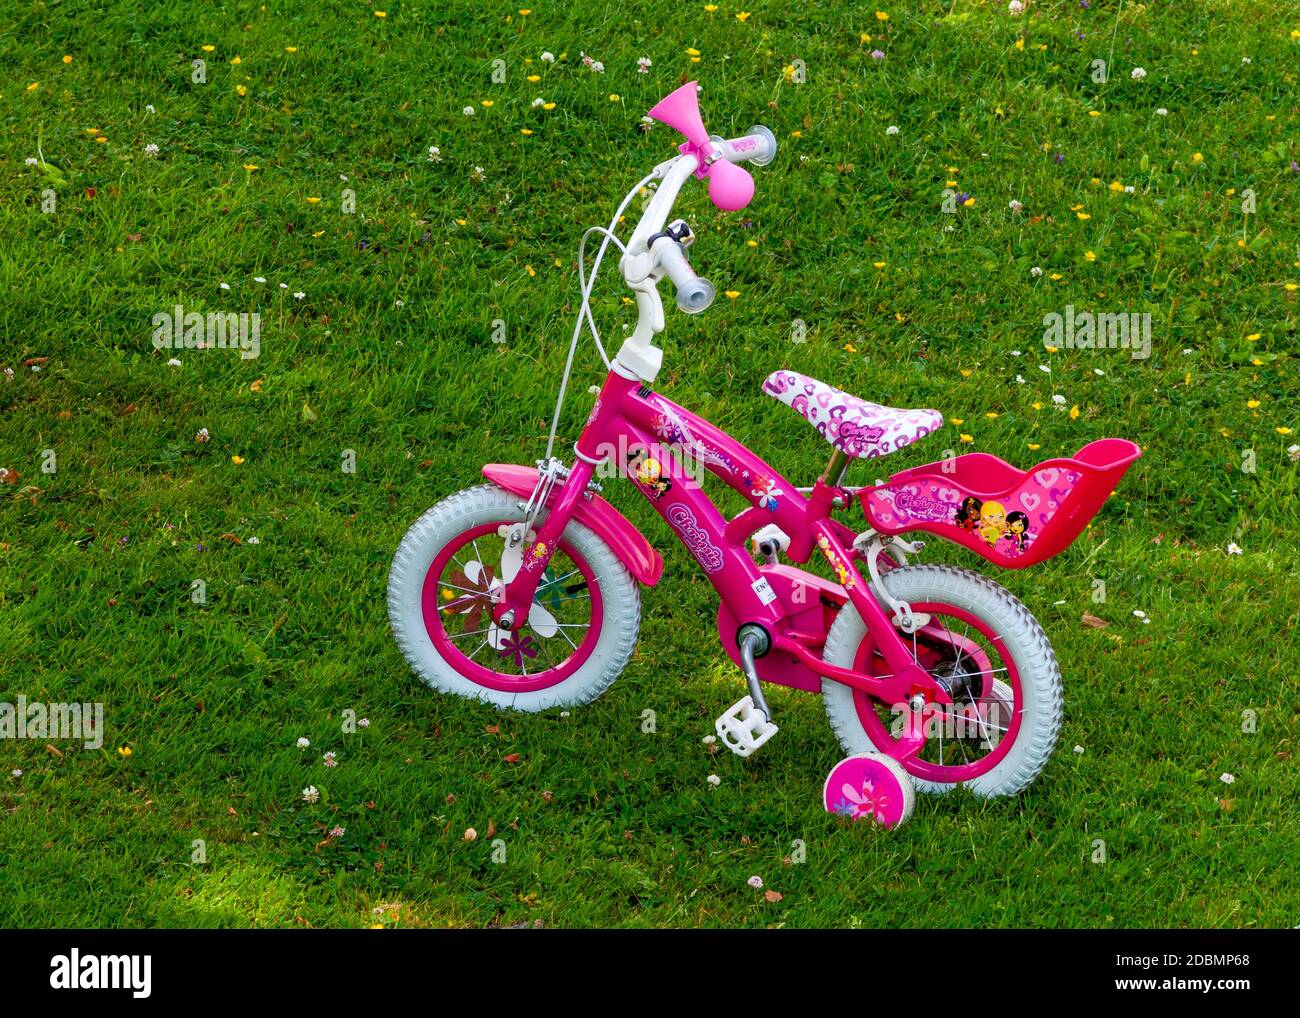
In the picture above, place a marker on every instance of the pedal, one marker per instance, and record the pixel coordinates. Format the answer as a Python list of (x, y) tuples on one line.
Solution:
[(769, 542), (743, 728)]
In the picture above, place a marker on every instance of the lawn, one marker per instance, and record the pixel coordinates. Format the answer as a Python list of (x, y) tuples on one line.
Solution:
[(416, 307)]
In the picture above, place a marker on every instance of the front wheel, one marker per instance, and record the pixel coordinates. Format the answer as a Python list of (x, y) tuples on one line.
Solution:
[(983, 644), (449, 573)]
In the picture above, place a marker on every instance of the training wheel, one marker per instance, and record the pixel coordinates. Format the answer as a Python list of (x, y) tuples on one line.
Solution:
[(870, 785)]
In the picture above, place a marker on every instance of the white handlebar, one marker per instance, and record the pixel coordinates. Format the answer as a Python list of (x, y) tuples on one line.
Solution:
[(694, 293), (757, 147)]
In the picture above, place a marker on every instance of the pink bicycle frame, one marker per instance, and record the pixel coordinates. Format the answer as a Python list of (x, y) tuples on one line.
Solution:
[(628, 418)]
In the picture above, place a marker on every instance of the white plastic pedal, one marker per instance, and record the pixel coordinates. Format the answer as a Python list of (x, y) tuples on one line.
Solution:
[(743, 728)]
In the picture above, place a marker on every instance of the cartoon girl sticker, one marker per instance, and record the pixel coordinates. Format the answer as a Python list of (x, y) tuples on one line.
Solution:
[(649, 472), (1017, 533), (968, 513), (992, 522)]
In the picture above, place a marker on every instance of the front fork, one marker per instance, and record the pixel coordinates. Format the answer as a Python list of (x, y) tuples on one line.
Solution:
[(512, 611)]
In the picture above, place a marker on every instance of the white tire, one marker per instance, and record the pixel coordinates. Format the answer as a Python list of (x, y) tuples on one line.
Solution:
[(1023, 639), (463, 511)]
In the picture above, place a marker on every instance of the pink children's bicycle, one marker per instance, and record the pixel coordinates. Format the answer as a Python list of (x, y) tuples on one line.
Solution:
[(523, 591)]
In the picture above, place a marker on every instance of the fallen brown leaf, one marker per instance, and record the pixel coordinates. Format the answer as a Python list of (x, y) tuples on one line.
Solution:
[(1093, 621)]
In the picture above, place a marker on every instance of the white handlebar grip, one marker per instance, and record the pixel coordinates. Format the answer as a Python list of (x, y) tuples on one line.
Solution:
[(757, 147), (694, 293)]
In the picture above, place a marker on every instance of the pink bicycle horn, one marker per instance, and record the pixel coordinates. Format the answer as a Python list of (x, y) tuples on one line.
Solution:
[(730, 187)]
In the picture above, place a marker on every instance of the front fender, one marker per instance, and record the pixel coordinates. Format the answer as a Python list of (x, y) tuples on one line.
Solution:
[(644, 563)]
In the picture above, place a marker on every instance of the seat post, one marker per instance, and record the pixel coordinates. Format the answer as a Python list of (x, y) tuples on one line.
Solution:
[(835, 468)]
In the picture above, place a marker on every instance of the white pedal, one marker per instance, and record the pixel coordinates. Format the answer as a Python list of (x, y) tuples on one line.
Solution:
[(743, 728)]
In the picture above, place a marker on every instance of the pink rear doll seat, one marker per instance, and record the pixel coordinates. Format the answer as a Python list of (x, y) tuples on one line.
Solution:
[(852, 425)]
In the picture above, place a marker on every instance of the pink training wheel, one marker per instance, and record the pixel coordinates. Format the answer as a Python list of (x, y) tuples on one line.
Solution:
[(870, 785)]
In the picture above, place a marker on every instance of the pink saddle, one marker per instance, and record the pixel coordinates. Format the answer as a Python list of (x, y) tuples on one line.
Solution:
[(852, 425)]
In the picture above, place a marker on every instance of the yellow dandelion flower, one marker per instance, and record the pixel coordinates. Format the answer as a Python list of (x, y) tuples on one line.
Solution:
[(548, 106), (732, 294), (1052, 349), (615, 97), (488, 103), (690, 52), (250, 167), (965, 373), (1252, 403), (850, 348), (968, 439), (864, 37), (1085, 216), (534, 77), (1252, 337), (236, 60), (525, 130), (313, 201), (1020, 44), (33, 86), (291, 49), (525, 11), (1197, 158), (241, 90), (208, 49), (67, 58), (319, 233), (1055, 276), (752, 243), (879, 265), (1291, 287), (124, 750), (710, 7), (381, 14), (1090, 255), (100, 140), (992, 415), (1115, 185), (957, 421), (1283, 431), (1034, 446), (969, 203), (742, 16), (1036, 405), (1074, 412), (236, 460), (530, 270), (796, 134), (881, 16)]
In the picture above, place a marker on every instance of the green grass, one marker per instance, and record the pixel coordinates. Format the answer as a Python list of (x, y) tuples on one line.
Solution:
[(98, 557)]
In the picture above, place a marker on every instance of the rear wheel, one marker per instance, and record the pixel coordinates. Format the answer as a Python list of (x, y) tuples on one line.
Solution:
[(983, 644), (449, 573)]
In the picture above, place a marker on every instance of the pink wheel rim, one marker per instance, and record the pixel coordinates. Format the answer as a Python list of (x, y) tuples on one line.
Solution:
[(468, 664), (864, 788), (1008, 727)]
